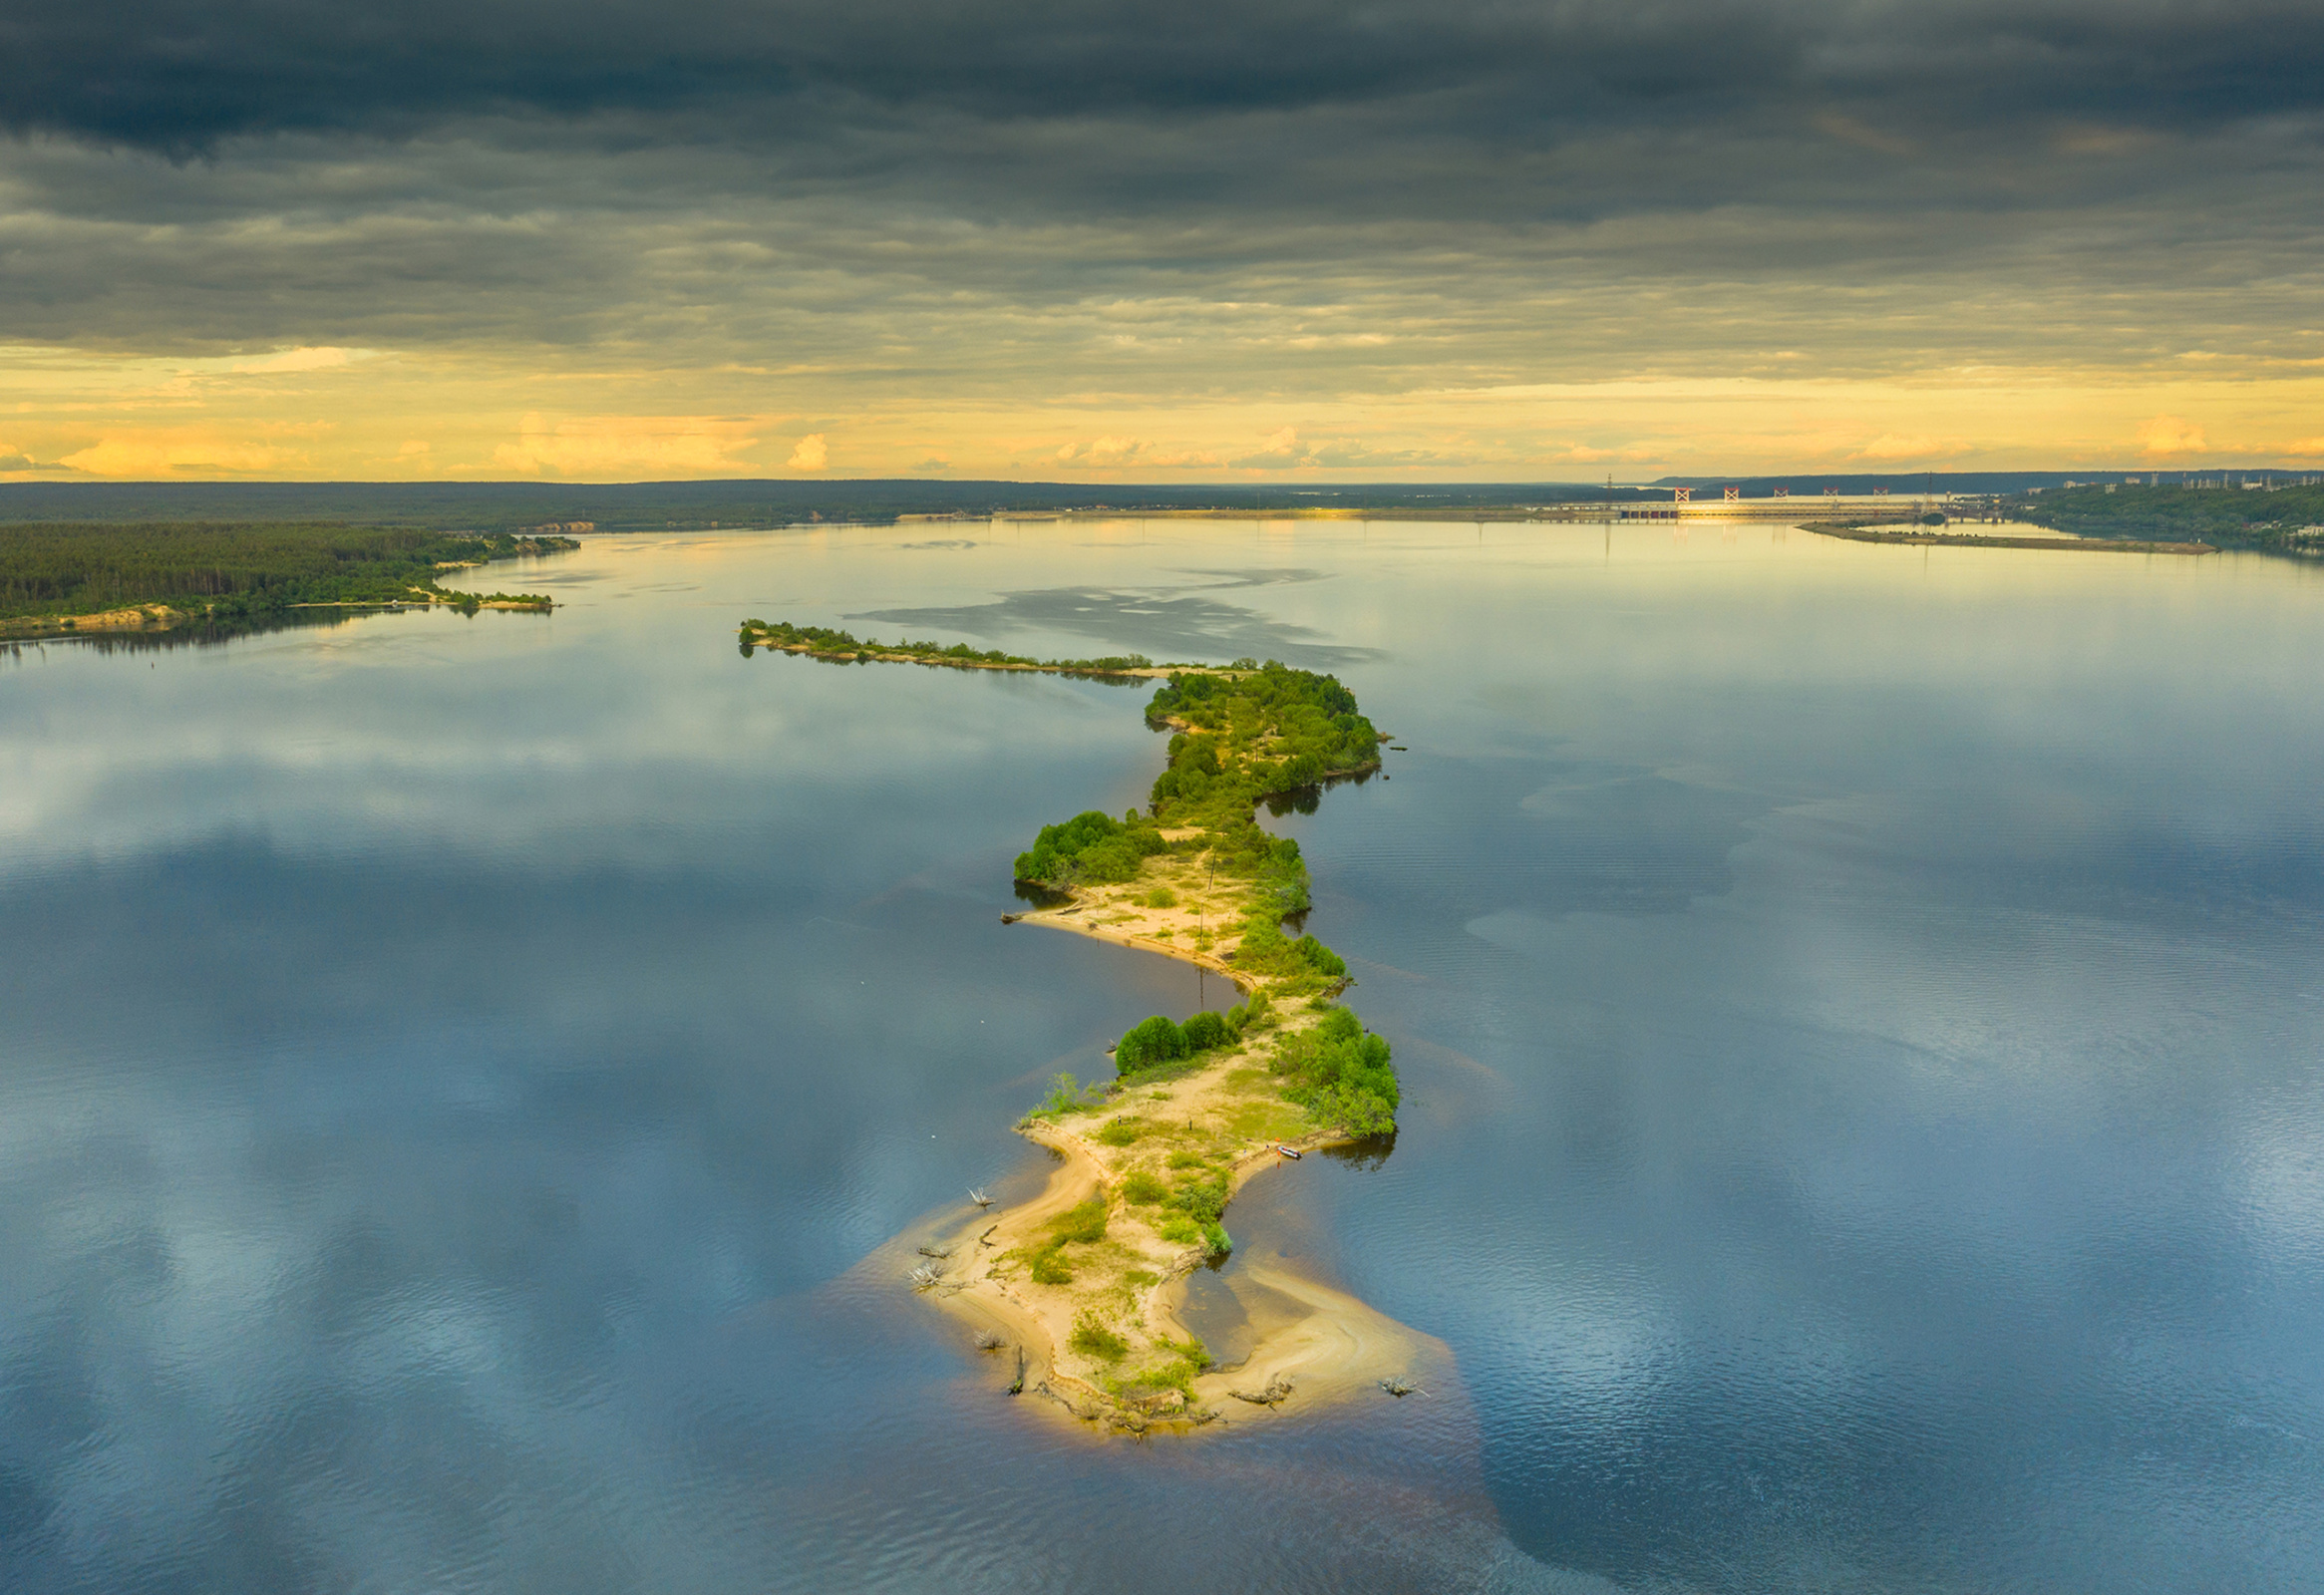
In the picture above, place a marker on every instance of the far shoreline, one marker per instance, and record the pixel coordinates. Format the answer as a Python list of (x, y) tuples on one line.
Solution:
[(1932, 537), (152, 619)]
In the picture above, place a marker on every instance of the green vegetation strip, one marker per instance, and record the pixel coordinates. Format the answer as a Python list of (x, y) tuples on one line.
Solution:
[(2279, 519), (841, 647), (1197, 1105), (1243, 734), (58, 575), (1241, 738), (1960, 540)]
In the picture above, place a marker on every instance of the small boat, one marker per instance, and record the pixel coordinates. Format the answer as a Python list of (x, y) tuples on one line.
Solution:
[(1287, 1151)]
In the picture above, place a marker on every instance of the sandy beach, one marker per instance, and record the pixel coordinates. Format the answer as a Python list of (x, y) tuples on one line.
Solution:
[(1082, 1287), (1310, 1343)]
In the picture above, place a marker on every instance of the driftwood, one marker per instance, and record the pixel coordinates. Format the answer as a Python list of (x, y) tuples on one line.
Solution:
[(935, 1249), (1278, 1391), (977, 1197), (1018, 1389), (926, 1275), (1400, 1387), (992, 1339), (986, 1239)]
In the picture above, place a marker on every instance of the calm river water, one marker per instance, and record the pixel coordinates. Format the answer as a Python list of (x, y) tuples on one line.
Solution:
[(1862, 1011)]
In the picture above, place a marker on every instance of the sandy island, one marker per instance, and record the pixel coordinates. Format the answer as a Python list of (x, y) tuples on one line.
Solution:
[(1080, 1292), (1310, 1343)]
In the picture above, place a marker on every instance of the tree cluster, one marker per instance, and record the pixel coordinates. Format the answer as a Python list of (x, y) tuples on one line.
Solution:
[(1250, 734), (1341, 1072), (1091, 846), (1160, 1040)]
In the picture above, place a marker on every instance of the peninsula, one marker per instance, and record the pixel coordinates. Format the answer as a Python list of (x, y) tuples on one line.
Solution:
[(1086, 1282)]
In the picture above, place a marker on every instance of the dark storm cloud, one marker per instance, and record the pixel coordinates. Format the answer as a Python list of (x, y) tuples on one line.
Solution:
[(990, 223), (179, 75)]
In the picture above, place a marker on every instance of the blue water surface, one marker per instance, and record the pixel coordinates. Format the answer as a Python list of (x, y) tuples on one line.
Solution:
[(1860, 1010)]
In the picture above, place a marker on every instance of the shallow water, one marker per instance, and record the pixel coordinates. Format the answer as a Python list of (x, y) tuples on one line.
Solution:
[(1859, 1012)]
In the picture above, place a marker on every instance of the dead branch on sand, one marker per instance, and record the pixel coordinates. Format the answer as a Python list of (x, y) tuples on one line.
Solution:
[(1278, 1391)]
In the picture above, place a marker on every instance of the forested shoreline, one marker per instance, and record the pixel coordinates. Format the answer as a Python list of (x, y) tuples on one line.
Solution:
[(57, 573), (2283, 519)]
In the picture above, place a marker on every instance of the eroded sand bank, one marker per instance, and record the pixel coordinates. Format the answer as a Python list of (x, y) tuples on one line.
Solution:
[(1308, 1341)]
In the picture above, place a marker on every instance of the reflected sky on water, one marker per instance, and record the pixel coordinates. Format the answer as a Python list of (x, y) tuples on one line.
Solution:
[(1859, 1012)]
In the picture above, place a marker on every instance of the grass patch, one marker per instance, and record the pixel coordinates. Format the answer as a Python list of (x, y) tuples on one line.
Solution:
[(1267, 1120), (1121, 1131), (1188, 1358), (1143, 1189), (1085, 1223), (1092, 1339), (1161, 897), (1161, 1073), (1051, 1268), (1068, 1096), (1179, 1228)]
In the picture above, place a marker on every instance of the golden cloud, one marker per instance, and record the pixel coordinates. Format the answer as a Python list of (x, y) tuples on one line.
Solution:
[(1890, 447), (2169, 435), (162, 451), (586, 445), (1103, 454)]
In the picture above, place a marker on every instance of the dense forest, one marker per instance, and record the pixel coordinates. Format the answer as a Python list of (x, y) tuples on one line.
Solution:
[(2286, 519), (1240, 736), (224, 571), (1245, 735)]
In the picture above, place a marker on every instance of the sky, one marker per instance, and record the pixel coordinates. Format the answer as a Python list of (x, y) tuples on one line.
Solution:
[(1057, 240)]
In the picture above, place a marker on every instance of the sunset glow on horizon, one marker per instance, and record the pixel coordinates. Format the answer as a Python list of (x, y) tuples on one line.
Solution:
[(1249, 243)]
